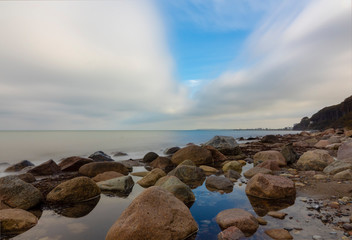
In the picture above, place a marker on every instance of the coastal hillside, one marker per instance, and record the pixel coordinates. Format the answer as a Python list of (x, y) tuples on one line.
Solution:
[(336, 116)]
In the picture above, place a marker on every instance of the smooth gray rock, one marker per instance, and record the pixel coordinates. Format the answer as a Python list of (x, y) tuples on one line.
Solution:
[(121, 184)]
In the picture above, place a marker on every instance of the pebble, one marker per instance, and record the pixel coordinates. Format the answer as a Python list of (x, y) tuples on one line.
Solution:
[(299, 184), (316, 237), (262, 221), (280, 215)]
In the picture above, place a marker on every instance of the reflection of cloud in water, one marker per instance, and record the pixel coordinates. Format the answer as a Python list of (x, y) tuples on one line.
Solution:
[(77, 228)]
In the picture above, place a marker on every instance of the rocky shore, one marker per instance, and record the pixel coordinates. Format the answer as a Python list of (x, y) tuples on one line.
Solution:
[(312, 170)]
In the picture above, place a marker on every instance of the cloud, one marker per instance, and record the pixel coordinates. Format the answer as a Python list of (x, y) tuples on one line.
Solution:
[(295, 63), (84, 65)]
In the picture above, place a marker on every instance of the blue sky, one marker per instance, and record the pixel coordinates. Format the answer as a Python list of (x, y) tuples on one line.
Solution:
[(171, 64)]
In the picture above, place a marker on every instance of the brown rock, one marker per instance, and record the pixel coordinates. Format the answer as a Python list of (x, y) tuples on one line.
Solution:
[(75, 190), (72, 164), (217, 155), (253, 171), (274, 214), (219, 183), (94, 168), (232, 165), (279, 234), (199, 155), (270, 164), (190, 175), (231, 233), (314, 160), (151, 178), (27, 177), (322, 144), (150, 156), (106, 176), (46, 168), (262, 221), (208, 170), (270, 187), (139, 174), (345, 151), (19, 166), (155, 214), (239, 218), (269, 155), (15, 221), (177, 188), (163, 163)]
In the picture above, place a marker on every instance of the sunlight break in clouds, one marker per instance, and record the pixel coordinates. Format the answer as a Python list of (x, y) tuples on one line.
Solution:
[(84, 65)]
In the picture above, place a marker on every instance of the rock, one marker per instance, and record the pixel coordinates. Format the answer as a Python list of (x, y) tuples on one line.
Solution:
[(187, 163), (140, 174), (120, 184), (199, 155), (336, 167), (345, 151), (100, 156), (190, 175), (227, 145), (289, 154), (262, 221), (231, 233), (217, 155), (314, 160), (270, 164), (208, 170), (233, 165), (18, 194), (151, 178), (270, 139), (27, 177), (344, 175), (279, 234), (46, 168), (275, 214), (348, 133), (175, 186), (322, 144), (155, 214), (72, 164), (19, 166), (74, 190), (16, 221), (347, 226), (171, 151), (77, 210), (311, 141), (253, 171), (150, 156), (320, 177), (106, 176), (334, 139), (239, 218), (270, 187), (163, 163), (232, 174), (93, 169), (219, 183), (269, 155), (119, 154)]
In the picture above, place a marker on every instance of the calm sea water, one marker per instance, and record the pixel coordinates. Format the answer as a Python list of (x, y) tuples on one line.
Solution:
[(40, 146)]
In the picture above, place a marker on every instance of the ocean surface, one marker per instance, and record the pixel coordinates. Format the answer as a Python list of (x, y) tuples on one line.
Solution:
[(40, 146)]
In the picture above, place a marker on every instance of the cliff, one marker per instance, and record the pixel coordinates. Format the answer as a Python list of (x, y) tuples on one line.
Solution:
[(336, 116)]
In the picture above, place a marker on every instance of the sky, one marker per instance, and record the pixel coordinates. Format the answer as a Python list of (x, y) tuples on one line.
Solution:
[(185, 64)]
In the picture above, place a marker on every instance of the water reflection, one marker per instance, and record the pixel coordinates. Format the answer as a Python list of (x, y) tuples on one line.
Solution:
[(77, 210), (263, 206)]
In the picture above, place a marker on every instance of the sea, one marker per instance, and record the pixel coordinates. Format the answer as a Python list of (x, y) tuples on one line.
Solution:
[(91, 220)]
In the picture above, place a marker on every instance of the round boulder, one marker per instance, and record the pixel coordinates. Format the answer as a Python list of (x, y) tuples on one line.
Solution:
[(19, 166), (227, 145), (269, 155), (106, 176), (151, 178), (345, 151), (270, 187), (231, 233), (16, 221), (199, 155), (72, 164), (150, 156), (120, 184), (253, 171), (190, 175), (94, 168), (47, 168), (100, 156), (239, 218), (219, 183), (75, 190), (163, 163), (177, 188), (233, 165), (314, 160), (155, 214)]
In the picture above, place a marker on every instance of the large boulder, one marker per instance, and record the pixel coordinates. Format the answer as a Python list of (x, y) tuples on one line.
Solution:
[(322, 144), (72, 164), (314, 160), (270, 187), (120, 184), (344, 175), (18, 194), (190, 175), (75, 190), (177, 188), (151, 178), (227, 145), (289, 154), (253, 171), (219, 183), (270, 164), (155, 214), (94, 168), (150, 156), (100, 156), (107, 176), (163, 163), (16, 221), (27, 177), (239, 218), (337, 166), (231, 233), (231, 174), (19, 166), (199, 155), (345, 151), (269, 155), (217, 155), (233, 165), (46, 168)]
